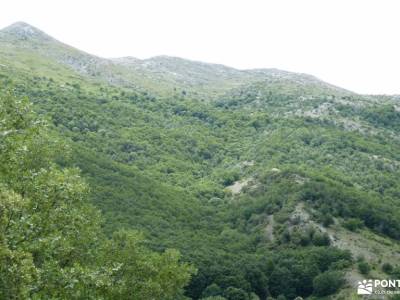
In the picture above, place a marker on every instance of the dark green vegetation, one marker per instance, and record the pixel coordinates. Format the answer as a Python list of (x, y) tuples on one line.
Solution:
[(51, 242), (252, 175)]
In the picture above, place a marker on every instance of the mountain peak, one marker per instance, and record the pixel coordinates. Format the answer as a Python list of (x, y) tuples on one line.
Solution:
[(24, 30)]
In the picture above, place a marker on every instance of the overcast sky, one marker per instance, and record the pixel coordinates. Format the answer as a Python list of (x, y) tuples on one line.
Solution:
[(351, 43)]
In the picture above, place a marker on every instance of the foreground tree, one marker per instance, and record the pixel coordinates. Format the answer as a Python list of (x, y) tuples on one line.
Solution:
[(51, 243)]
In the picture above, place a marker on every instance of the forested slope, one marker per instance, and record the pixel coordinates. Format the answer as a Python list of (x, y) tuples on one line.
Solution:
[(270, 183)]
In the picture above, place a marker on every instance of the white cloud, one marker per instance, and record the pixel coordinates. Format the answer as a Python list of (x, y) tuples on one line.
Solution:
[(353, 43)]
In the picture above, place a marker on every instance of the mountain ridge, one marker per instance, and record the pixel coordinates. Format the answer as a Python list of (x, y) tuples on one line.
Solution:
[(169, 72)]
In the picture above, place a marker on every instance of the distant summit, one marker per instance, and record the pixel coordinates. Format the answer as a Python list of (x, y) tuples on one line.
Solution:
[(25, 31)]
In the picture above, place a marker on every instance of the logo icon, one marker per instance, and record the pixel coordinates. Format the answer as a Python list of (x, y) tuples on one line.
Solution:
[(364, 287)]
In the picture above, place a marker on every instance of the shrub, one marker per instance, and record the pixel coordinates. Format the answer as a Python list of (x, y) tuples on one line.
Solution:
[(327, 220), (353, 224), (364, 267), (327, 283), (321, 239), (387, 268), (232, 293), (212, 290)]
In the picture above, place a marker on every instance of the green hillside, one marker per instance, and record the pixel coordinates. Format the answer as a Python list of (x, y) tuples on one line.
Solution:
[(269, 183)]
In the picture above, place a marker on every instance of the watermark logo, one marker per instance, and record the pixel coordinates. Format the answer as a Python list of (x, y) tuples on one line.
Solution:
[(365, 287), (381, 287)]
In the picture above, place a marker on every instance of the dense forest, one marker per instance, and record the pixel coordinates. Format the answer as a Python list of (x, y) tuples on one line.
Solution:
[(120, 181)]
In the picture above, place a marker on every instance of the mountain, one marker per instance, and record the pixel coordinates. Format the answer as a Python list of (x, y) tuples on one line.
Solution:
[(171, 74), (271, 183)]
